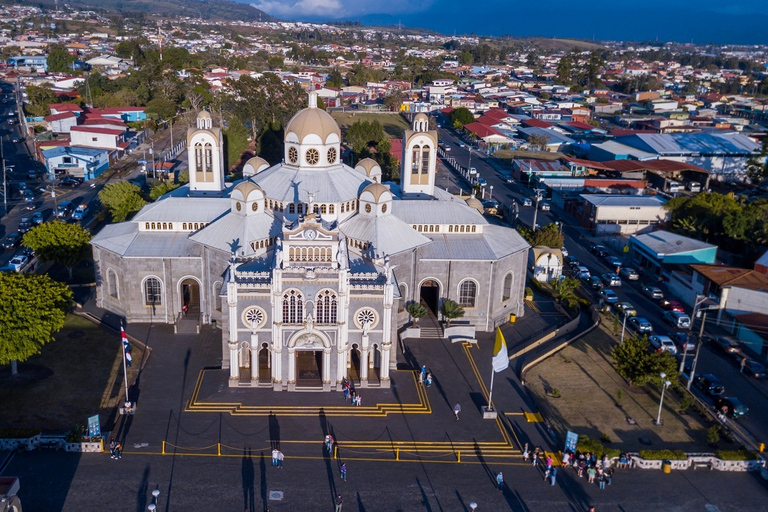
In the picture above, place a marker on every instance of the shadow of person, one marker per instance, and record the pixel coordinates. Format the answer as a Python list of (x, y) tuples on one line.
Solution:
[(274, 431), (263, 483), (247, 473)]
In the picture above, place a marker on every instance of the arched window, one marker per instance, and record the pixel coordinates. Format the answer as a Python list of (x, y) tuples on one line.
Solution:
[(199, 157), (450, 228), (467, 293), (153, 292), (208, 157), (112, 283), (293, 307), (323, 209), (425, 160), (146, 225), (325, 307), (415, 159), (474, 229), (403, 292), (291, 208), (217, 295), (506, 291)]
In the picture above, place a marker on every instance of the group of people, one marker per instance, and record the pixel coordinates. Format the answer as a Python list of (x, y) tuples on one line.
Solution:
[(537, 456), (350, 393), (425, 376), (597, 470), (277, 458), (115, 449)]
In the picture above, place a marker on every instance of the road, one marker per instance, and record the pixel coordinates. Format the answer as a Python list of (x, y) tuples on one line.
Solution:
[(754, 393)]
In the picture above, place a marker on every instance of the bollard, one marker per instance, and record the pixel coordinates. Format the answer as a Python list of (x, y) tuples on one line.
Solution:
[(458, 457), (335, 451), (163, 448), (762, 447), (101, 441), (397, 454), (219, 449)]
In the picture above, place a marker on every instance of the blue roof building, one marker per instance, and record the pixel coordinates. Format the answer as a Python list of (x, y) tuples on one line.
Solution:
[(86, 163)]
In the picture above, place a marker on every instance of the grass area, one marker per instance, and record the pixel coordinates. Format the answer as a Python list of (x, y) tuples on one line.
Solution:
[(394, 124), (75, 376), (594, 400)]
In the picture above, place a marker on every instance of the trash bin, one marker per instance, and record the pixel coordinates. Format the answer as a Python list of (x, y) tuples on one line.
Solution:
[(213, 323), (666, 466), (512, 318)]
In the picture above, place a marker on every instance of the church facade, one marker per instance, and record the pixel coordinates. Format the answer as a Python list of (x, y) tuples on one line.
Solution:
[(307, 265)]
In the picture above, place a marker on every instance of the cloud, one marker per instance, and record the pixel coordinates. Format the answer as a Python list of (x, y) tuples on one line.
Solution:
[(335, 9)]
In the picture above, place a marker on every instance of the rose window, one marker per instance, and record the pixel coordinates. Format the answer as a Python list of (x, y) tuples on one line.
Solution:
[(254, 317), (313, 156), (332, 156), (293, 155)]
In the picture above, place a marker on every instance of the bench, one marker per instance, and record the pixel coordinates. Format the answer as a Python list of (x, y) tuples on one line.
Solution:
[(701, 464)]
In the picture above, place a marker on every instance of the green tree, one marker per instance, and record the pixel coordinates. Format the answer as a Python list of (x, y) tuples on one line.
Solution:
[(235, 142), (394, 101), (416, 311), (275, 62), (39, 99), (461, 116), (548, 236), (164, 108), (757, 165), (363, 134), (634, 361), (161, 189), (564, 70), (538, 141), (122, 199), (334, 79), (32, 309), (59, 59), (450, 311), (564, 291), (58, 242)]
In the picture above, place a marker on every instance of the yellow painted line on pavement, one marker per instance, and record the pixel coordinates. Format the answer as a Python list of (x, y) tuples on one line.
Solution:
[(533, 417), (533, 306)]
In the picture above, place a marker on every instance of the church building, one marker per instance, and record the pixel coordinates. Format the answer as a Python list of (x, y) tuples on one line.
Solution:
[(306, 266)]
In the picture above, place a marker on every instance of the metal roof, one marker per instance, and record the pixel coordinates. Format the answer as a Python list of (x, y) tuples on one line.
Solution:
[(707, 143), (494, 243), (235, 232), (387, 234), (664, 243), (288, 184), (623, 200), (431, 211), (184, 209)]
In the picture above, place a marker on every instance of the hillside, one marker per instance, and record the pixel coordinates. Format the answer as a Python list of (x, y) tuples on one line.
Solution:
[(206, 9)]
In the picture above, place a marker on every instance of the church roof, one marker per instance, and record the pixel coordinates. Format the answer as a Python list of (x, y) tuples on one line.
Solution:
[(452, 211), (387, 234), (313, 121), (290, 184), (235, 232), (184, 209), (126, 240), (494, 243)]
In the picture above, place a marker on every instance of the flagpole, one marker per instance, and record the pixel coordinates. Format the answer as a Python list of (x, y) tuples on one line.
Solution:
[(490, 394), (125, 365)]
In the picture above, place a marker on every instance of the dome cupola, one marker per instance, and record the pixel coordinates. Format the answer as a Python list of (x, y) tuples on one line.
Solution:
[(312, 138)]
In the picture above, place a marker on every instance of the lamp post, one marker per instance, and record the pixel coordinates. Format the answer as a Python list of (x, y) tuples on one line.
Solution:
[(703, 312), (536, 211), (491, 196), (664, 385), (699, 300), (624, 329), (152, 507)]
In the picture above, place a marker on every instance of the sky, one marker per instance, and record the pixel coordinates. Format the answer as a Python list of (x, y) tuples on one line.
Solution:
[(700, 21)]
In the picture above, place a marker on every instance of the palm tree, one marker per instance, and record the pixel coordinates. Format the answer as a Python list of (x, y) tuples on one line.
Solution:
[(450, 310), (416, 311)]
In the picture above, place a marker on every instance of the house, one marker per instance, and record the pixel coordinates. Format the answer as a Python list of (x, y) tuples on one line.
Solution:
[(61, 108), (487, 134), (553, 141), (659, 253), (100, 138), (61, 123), (38, 62), (86, 163), (545, 263), (617, 214)]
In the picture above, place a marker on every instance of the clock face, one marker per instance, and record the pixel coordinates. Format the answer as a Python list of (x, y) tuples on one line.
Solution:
[(310, 234)]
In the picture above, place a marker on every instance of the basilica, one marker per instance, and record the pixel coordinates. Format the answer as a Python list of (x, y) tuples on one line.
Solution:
[(307, 266)]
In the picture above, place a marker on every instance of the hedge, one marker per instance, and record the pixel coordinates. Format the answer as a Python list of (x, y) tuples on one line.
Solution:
[(736, 455), (663, 454)]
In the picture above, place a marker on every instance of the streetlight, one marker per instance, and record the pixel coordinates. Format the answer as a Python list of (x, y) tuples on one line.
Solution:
[(699, 300), (155, 495), (536, 211), (491, 198), (664, 385), (703, 312), (473, 505), (624, 328)]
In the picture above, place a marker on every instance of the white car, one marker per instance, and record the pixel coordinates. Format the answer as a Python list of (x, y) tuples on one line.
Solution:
[(564, 251), (640, 324), (663, 344), (545, 207), (18, 262)]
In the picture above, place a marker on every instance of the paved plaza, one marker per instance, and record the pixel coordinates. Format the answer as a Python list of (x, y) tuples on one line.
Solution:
[(206, 446)]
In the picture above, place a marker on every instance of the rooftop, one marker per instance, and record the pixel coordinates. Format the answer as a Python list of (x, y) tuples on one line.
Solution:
[(666, 243)]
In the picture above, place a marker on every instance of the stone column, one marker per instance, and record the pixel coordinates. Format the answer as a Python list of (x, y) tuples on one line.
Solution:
[(234, 361), (364, 367), (384, 366), (327, 369), (277, 367), (291, 366), (255, 357)]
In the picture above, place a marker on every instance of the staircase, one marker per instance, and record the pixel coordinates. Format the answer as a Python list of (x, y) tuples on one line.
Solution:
[(430, 327), (187, 324)]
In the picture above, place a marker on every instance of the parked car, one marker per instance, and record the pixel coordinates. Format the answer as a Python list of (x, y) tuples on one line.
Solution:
[(595, 283), (80, 212), (640, 324), (653, 292), (37, 218), (626, 309), (663, 344), (684, 342), (709, 384), (727, 345), (581, 270), (598, 250), (611, 279), (732, 407), (609, 296), (755, 369), (571, 261), (527, 202), (672, 305), (68, 181), (18, 262), (613, 262), (545, 207), (11, 241), (629, 273), (677, 319), (24, 225), (564, 251)]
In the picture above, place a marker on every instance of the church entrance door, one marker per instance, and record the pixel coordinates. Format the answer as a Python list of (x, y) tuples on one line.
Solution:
[(190, 296), (309, 368), (430, 295), (265, 372), (354, 364)]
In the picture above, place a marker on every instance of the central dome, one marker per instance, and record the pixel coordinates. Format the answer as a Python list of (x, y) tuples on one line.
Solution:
[(312, 121)]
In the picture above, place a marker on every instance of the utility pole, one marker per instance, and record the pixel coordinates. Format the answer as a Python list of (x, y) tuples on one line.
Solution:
[(539, 192), (698, 345), (5, 184)]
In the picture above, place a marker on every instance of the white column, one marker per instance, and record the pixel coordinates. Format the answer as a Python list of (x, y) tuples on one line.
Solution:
[(384, 367), (254, 357), (234, 361), (327, 365), (291, 366), (364, 365)]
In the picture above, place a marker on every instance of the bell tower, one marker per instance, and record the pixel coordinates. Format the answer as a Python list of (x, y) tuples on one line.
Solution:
[(205, 156), (419, 158)]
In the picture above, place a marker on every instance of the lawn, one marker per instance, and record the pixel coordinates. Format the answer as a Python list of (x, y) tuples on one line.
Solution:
[(596, 401), (76, 376), (394, 124)]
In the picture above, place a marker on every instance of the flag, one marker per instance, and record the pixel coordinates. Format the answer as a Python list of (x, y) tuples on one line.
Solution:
[(500, 354), (126, 346)]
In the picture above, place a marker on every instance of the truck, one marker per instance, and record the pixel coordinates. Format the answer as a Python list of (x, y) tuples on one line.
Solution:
[(9, 488), (63, 210)]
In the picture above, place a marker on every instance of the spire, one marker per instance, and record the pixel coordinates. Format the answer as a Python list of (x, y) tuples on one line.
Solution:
[(313, 99)]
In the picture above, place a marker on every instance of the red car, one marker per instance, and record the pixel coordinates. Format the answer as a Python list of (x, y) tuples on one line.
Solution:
[(672, 305)]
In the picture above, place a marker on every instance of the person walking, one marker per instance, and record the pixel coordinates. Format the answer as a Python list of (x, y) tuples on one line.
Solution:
[(118, 450), (500, 481), (601, 480), (339, 502), (346, 391), (274, 456), (280, 458), (343, 470), (457, 410), (526, 453), (554, 475), (535, 458), (429, 379), (424, 372), (112, 447)]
